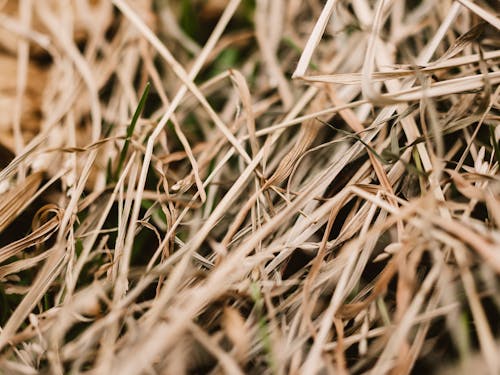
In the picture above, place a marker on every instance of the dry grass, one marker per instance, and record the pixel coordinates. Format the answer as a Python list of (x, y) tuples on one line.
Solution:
[(235, 219)]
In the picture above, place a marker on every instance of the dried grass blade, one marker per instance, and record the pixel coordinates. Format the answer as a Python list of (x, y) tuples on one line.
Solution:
[(246, 100), (37, 236), (13, 202), (44, 279), (307, 133), (314, 39), (485, 15), (356, 78)]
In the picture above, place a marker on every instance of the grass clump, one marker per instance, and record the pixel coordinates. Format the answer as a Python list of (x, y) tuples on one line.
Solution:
[(256, 187)]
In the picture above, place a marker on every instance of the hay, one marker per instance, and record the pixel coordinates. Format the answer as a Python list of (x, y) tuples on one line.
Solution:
[(308, 187)]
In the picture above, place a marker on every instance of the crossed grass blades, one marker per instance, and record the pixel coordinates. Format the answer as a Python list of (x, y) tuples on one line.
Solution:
[(269, 186)]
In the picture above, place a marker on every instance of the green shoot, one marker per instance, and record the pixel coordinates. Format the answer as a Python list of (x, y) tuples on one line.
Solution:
[(130, 130)]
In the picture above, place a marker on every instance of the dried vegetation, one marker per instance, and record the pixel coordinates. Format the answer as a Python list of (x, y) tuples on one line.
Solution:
[(255, 187)]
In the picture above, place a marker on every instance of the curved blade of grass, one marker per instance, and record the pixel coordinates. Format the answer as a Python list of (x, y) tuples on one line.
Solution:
[(357, 138), (387, 156), (495, 143), (130, 129)]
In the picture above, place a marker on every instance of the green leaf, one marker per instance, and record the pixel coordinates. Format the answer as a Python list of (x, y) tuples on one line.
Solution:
[(130, 130), (188, 19), (263, 327)]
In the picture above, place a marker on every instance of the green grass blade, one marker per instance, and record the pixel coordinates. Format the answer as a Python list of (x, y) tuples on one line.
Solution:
[(130, 130)]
